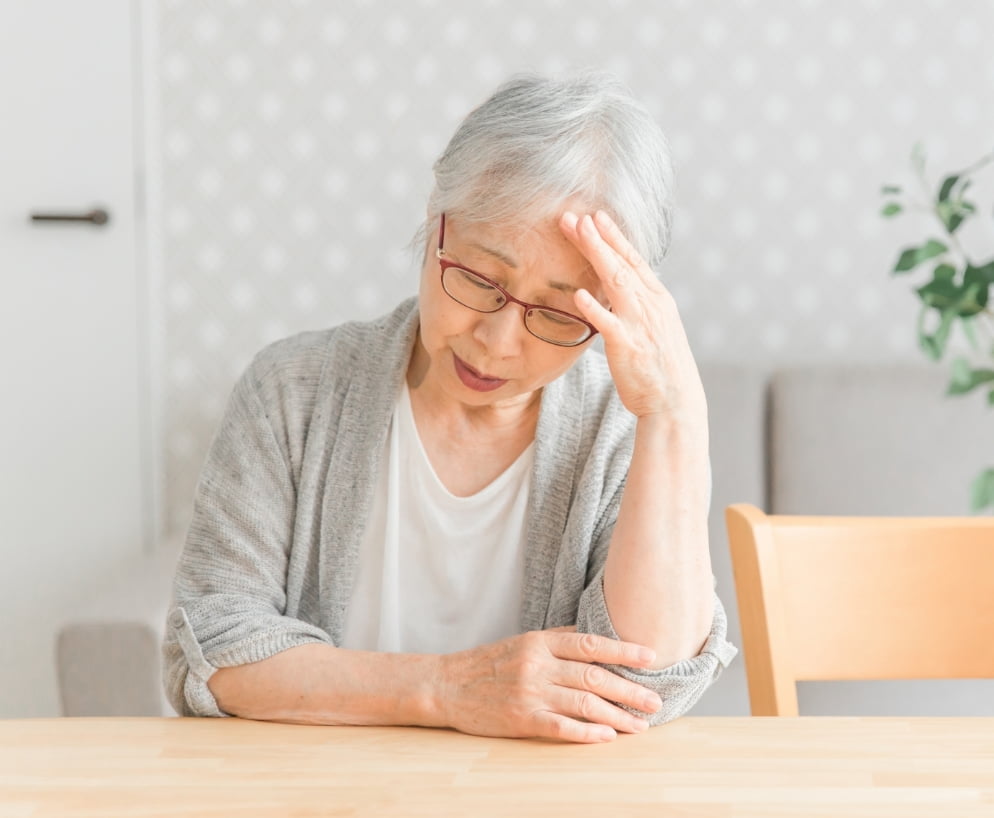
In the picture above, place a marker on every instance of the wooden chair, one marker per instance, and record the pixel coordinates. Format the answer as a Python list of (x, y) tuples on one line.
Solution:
[(832, 598)]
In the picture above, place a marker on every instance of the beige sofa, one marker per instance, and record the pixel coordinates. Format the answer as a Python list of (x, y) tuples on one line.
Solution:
[(877, 439)]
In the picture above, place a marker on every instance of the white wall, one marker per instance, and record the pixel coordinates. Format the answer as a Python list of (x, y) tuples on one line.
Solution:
[(298, 138)]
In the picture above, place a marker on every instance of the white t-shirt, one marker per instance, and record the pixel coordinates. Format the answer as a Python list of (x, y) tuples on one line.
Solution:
[(437, 573)]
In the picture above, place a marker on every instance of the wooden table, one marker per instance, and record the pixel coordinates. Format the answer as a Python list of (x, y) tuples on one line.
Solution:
[(839, 767)]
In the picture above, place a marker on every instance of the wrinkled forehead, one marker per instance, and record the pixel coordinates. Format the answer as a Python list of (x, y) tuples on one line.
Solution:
[(537, 249), (514, 242)]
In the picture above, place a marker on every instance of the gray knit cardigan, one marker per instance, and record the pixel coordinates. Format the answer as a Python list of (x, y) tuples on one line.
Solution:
[(271, 554)]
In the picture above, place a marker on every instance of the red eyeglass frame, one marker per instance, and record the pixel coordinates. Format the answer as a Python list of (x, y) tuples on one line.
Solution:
[(445, 264)]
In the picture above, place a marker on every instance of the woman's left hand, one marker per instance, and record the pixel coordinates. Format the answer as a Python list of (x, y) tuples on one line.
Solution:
[(644, 339)]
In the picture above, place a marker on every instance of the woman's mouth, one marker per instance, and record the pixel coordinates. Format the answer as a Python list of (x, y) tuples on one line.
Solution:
[(474, 380)]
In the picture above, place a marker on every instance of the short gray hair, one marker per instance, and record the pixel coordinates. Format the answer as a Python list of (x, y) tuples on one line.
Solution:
[(538, 142)]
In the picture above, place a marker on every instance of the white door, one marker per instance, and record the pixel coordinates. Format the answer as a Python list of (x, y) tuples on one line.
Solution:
[(70, 342)]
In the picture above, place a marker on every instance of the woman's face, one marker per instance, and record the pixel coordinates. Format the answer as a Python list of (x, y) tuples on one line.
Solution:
[(490, 359)]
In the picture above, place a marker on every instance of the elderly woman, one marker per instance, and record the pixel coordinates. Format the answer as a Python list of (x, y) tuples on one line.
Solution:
[(463, 514)]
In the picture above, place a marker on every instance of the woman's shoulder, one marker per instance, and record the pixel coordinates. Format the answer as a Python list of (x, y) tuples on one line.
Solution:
[(340, 350)]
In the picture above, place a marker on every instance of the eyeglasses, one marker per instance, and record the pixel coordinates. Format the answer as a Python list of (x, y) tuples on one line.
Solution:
[(479, 293)]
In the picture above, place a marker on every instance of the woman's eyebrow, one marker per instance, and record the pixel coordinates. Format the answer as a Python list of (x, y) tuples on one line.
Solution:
[(505, 259)]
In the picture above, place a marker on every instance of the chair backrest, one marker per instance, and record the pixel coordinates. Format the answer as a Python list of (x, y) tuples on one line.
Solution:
[(834, 598)]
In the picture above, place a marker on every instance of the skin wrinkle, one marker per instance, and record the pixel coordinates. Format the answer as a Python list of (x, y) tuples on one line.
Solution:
[(584, 275), (508, 261)]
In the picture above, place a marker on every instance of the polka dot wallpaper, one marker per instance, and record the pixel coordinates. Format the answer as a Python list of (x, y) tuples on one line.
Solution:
[(298, 137)]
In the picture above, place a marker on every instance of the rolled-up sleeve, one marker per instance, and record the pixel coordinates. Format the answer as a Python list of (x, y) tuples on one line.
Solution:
[(680, 685), (229, 594)]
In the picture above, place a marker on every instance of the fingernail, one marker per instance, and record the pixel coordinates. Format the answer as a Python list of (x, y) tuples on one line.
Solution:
[(647, 655), (570, 219), (651, 703)]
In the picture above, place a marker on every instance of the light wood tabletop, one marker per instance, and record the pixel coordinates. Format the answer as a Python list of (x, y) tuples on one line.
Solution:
[(767, 767)]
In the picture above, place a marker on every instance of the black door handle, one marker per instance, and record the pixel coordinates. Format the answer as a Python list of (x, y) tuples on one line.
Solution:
[(97, 216)]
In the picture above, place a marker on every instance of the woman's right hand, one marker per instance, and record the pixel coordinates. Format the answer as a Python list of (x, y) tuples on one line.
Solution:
[(545, 684)]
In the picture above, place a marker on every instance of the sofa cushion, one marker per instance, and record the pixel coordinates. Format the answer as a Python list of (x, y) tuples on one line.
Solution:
[(736, 412), (877, 440)]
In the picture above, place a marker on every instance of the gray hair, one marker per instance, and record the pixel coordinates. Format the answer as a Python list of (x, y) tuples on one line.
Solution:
[(539, 142)]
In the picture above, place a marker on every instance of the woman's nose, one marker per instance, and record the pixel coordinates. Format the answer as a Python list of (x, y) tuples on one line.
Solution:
[(502, 331)]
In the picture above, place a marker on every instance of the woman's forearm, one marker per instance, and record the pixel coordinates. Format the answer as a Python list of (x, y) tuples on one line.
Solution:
[(321, 684), (542, 683), (657, 577)]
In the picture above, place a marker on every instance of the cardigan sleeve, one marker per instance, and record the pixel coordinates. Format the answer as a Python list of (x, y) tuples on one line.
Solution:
[(229, 594), (680, 685)]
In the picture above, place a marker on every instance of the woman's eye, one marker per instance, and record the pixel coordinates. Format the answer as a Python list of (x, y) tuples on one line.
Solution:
[(476, 281), (555, 317)]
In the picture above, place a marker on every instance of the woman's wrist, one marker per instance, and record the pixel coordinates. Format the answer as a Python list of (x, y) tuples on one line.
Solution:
[(433, 697), (682, 442)]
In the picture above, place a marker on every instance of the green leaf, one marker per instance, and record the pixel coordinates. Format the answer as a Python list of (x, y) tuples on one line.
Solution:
[(953, 212), (946, 211), (942, 291), (944, 272), (890, 209), (973, 300), (960, 372), (990, 398), (982, 490), (935, 344), (966, 379), (976, 284), (929, 347), (913, 256), (968, 330), (984, 272), (947, 187), (889, 189)]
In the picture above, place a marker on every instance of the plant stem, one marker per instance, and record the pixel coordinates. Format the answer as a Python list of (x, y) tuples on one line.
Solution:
[(983, 160)]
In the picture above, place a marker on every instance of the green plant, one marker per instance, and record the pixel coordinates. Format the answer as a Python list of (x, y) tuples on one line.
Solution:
[(959, 290)]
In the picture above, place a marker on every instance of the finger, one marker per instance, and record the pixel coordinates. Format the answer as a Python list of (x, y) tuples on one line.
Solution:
[(581, 232), (619, 242), (609, 686), (611, 267), (592, 708), (590, 647), (595, 312), (549, 724), (568, 223)]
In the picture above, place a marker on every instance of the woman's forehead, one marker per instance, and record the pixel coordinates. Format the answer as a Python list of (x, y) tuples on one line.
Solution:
[(537, 248), (515, 244)]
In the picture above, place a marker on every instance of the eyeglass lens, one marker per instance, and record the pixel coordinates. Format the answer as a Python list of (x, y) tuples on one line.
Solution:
[(474, 292)]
